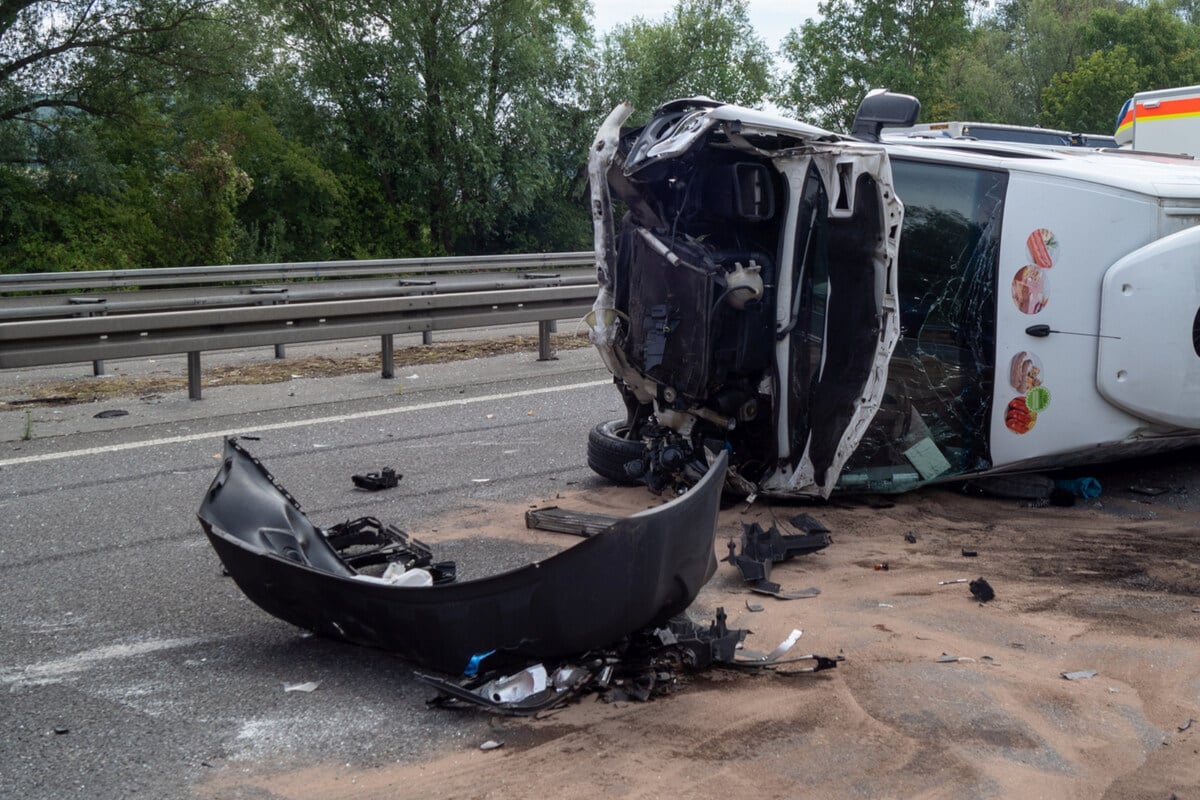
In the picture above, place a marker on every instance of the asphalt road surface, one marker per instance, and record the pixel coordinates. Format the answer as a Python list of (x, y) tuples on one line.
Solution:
[(130, 668)]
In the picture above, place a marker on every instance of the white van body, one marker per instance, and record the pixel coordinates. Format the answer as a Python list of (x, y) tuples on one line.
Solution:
[(1162, 121), (1040, 309)]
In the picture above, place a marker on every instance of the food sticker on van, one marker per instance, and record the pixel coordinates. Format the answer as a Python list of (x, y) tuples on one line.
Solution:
[(1029, 289), (1037, 399), (1043, 247), (1018, 417), (1025, 371)]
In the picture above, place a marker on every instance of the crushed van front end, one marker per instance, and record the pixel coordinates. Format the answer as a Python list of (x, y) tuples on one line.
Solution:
[(747, 296)]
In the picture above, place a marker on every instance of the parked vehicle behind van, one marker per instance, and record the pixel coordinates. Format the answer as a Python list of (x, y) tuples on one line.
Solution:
[(845, 313)]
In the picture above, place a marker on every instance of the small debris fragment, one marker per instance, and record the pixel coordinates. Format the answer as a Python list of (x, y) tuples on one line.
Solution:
[(1113, 690), (110, 413), (969, 553), (910, 537), (754, 607), (1080, 675), (1149, 491), (882, 566), (491, 744), (886, 605), (982, 590), (388, 478), (956, 580), (1182, 727), (945, 659), (989, 660), (59, 730), (489, 416), (480, 480), (307, 688)]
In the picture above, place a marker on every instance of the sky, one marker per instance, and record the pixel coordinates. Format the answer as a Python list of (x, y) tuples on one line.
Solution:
[(772, 19)]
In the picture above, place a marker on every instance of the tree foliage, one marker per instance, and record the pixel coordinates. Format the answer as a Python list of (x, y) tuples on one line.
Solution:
[(701, 47), (143, 133), (858, 45)]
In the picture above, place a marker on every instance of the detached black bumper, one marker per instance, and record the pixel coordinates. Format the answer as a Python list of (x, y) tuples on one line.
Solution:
[(640, 572)]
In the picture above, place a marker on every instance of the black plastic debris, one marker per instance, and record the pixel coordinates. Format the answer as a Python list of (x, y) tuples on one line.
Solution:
[(387, 478), (640, 572), (111, 413), (761, 549), (982, 590), (969, 553), (1149, 491), (910, 537), (561, 520), (646, 665)]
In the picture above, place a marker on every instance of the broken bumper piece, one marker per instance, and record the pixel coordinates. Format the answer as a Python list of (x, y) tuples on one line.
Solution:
[(644, 666), (637, 574)]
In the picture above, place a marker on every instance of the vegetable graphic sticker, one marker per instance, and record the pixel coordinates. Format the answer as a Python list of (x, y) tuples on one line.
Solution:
[(1043, 247), (1025, 371), (1018, 418), (1029, 289), (1037, 399)]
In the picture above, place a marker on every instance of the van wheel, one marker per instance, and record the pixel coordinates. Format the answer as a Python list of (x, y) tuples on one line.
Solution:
[(609, 449)]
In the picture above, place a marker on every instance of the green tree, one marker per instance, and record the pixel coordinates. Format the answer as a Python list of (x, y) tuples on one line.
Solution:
[(453, 106), (701, 47), (857, 45), (1130, 49), (1088, 97)]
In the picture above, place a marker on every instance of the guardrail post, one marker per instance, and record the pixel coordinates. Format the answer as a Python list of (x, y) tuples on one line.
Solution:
[(387, 355), (281, 351), (98, 368), (193, 362), (545, 351), (426, 337)]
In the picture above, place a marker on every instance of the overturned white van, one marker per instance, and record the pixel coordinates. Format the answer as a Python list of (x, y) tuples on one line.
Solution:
[(840, 312)]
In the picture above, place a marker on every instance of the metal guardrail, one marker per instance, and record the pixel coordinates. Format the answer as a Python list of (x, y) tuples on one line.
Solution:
[(85, 333), (242, 273)]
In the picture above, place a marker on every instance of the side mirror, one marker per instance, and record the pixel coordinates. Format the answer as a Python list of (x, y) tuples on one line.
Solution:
[(881, 109)]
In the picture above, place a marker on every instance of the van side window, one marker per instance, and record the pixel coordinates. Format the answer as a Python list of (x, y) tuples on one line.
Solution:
[(940, 376)]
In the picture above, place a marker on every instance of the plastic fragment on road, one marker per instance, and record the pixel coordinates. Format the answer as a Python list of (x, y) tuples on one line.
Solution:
[(387, 478), (982, 590), (761, 549), (1080, 675), (969, 553), (946, 659), (956, 580), (1086, 488), (491, 744), (910, 537), (308, 687), (1186, 725)]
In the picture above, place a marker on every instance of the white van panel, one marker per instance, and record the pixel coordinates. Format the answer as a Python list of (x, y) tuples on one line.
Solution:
[(1150, 304), (1045, 399)]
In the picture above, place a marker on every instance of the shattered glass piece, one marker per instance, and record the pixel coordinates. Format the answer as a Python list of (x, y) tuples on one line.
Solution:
[(1080, 675)]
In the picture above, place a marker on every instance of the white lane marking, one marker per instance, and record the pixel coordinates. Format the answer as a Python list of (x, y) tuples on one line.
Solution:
[(299, 423), (55, 671)]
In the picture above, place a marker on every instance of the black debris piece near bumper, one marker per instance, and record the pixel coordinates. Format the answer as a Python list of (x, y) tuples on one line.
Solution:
[(761, 549), (646, 665), (637, 574)]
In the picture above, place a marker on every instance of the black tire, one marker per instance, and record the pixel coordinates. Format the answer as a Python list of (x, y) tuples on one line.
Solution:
[(608, 451)]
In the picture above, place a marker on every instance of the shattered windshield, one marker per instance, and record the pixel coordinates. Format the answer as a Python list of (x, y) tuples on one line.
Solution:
[(933, 423)]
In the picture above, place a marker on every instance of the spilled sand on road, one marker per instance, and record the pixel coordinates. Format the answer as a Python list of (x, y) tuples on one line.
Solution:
[(1075, 589)]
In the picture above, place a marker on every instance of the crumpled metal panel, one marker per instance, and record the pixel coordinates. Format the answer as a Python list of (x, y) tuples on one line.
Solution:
[(640, 572)]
